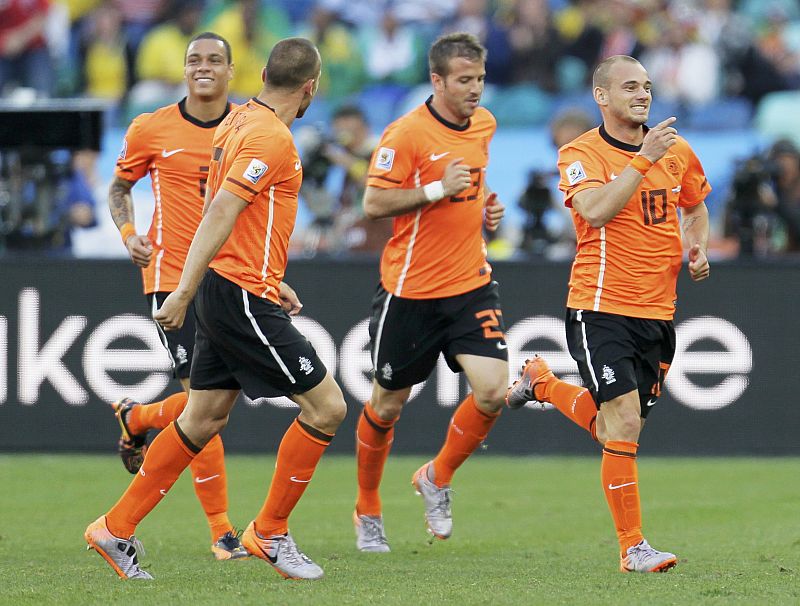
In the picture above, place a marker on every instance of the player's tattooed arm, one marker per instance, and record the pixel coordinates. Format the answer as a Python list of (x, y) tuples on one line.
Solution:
[(695, 225), (120, 201), (689, 222)]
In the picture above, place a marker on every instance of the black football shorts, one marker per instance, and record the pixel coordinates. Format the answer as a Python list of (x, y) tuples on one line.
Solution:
[(178, 343), (407, 335), (249, 343), (618, 354)]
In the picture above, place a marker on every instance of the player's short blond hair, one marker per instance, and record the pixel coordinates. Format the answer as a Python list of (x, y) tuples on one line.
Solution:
[(601, 77), (292, 62)]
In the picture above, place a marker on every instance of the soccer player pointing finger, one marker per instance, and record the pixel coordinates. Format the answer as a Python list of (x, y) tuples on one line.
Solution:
[(632, 191)]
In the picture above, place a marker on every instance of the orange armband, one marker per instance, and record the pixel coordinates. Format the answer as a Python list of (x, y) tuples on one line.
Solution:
[(640, 164), (126, 231)]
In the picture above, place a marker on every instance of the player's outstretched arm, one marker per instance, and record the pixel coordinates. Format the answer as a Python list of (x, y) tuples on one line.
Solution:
[(120, 203), (212, 233), (380, 203), (695, 226), (600, 205)]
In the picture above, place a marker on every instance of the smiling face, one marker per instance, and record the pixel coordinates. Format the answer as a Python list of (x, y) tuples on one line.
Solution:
[(461, 89), (625, 94), (207, 69)]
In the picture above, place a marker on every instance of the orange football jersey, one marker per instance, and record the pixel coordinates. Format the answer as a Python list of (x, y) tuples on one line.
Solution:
[(254, 157), (437, 250), (175, 148), (630, 265)]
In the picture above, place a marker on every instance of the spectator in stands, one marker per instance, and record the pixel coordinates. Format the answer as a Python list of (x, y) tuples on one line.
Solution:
[(729, 35), (627, 26), (139, 17), (685, 67), (334, 178), (342, 67), (252, 28), (105, 55), (159, 61), (581, 34), (536, 46), (473, 17), (745, 70), (392, 52), (776, 44), (24, 57)]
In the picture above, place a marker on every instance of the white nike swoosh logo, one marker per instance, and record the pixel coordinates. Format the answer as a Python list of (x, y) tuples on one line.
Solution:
[(502, 345), (651, 402), (435, 157), (163, 492), (297, 165), (676, 190), (613, 176), (367, 446), (294, 479), (201, 480), (167, 154), (612, 487)]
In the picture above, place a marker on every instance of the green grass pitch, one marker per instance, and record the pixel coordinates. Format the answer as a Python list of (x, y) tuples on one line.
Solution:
[(527, 531)]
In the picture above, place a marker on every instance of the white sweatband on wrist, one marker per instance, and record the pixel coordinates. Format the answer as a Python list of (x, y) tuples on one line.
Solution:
[(433, 191)]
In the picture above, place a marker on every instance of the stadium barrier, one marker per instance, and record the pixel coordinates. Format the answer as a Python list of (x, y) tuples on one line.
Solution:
[(75, 335)]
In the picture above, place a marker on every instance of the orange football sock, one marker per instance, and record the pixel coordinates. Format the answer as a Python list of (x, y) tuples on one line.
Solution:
[(211, 486), (621, 485), (300, 450), (156, 415), (374, 438), (574, 402), (168, 455), (468, 427)]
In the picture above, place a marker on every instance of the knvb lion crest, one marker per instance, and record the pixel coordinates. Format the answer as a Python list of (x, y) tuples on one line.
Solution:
[(305, 365), (673, 168)]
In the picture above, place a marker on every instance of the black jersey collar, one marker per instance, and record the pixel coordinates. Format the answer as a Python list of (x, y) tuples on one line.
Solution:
[(620, 144), (260, 102), (210, 124), (447, 123)]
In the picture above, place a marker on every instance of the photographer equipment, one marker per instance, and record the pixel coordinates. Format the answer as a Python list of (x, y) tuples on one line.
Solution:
[(31, 173), (536, 200), (748, 219)]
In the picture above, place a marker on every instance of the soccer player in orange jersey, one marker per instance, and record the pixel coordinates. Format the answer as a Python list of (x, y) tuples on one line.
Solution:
[(436, 293), (632, 189), (173, 144), (245, 339)]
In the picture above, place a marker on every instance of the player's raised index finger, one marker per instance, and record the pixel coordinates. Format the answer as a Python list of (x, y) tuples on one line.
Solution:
[(666, 122)]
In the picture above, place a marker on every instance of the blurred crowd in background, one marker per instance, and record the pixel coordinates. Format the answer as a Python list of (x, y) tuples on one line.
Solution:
[(720, 65)]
